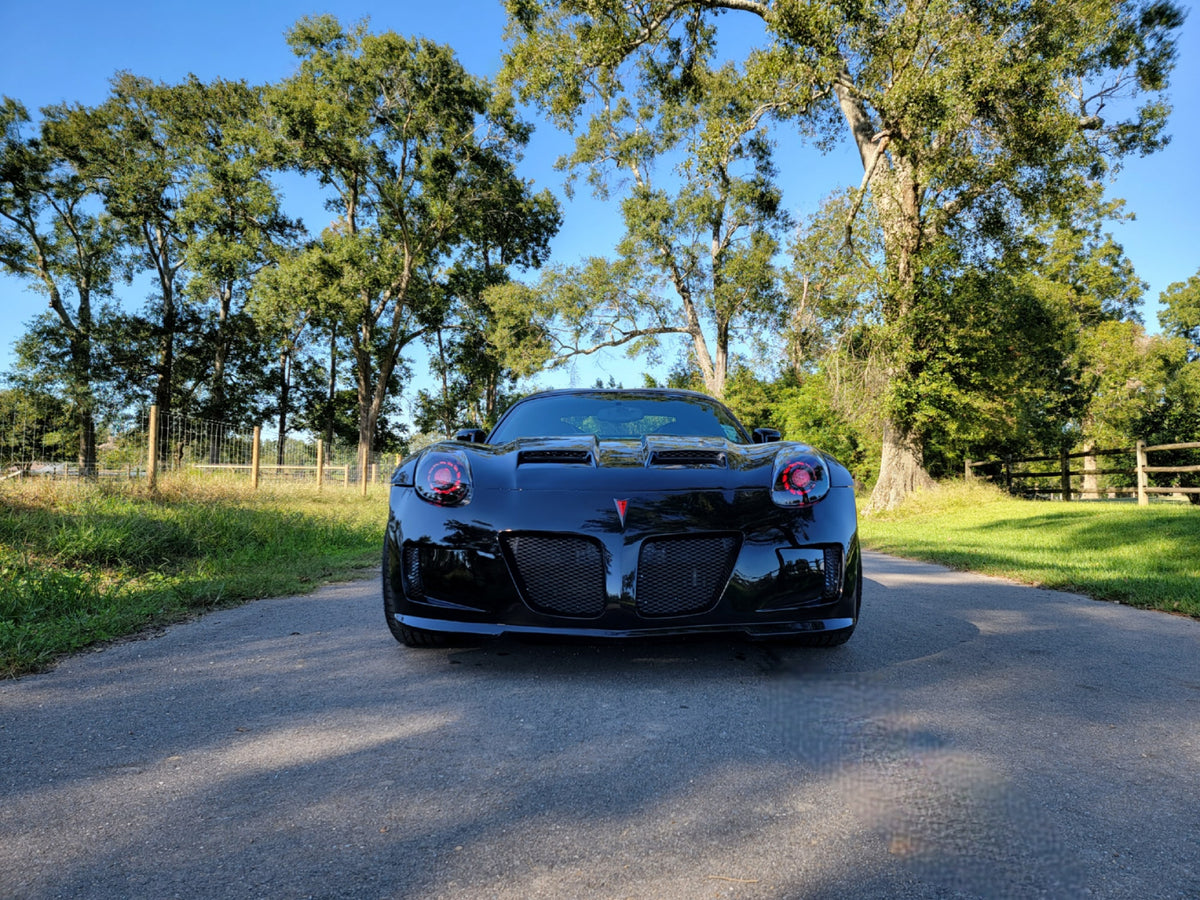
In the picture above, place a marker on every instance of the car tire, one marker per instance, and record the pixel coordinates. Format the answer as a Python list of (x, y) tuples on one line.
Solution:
[(405, 634)]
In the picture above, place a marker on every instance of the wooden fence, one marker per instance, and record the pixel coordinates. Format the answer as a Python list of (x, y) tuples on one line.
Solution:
[(1018, 481), (368, 473)]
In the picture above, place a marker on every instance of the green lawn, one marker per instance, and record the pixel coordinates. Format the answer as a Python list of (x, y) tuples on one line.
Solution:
[(1143, 556), (80, 564)]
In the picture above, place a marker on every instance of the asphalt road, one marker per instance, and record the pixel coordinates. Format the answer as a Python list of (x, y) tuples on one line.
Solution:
[(974, 738)]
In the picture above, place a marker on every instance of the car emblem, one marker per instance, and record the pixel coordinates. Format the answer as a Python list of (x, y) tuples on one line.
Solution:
[(622, 505)]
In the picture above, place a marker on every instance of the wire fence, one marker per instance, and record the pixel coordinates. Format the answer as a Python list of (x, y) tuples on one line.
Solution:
[(41, 448)]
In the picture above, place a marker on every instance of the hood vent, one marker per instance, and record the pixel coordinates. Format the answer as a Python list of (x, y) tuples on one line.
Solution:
[(567, 457), (715, 458)]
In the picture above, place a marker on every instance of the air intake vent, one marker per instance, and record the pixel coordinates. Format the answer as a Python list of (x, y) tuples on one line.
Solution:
[(714, 458), (562, 457), (412, 573), (833, 572), (558, 574), (679, 576)]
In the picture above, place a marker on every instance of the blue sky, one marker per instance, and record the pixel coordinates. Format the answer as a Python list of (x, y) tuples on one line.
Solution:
[(66, 51)]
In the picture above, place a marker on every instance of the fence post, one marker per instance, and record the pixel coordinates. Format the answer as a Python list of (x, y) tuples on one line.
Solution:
[(1064, 462), (320, 463), (254, 454), (152, 449), (1008, 474), (1143, 498), (967, 469)]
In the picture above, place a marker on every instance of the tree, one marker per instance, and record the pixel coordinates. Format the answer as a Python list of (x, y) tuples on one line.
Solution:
[(702, 214), (231, 215), (966, 117), (126, 150), (52, 234), (473, 383), (180, 168), (415, 151), (1181, 312)]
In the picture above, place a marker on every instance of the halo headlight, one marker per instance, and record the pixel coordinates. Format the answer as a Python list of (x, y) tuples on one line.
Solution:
[(800, 478), (444, 477)]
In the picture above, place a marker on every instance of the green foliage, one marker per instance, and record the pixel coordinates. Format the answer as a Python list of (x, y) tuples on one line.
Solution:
[(418, 156), (180, 169), (703, 215), (971, 122), (51, 236), (1181, 312)]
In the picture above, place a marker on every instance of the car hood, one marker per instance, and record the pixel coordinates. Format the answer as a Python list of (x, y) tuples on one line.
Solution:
[(649, 463)]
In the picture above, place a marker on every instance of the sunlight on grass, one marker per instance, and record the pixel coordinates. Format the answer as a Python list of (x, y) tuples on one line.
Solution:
[(1143, 556), (81, 563)]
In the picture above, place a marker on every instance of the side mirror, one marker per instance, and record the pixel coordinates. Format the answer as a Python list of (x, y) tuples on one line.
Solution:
[(766, 435), (471, 435)]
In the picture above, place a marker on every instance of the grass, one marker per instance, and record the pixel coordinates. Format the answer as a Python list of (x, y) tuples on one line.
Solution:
[(82, 564), (1141, 556)]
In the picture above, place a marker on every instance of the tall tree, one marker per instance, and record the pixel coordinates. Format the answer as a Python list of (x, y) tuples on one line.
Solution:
[(231, 215), (412, 148), (127, 151), (53, 234), (965, 115), (703, 219)]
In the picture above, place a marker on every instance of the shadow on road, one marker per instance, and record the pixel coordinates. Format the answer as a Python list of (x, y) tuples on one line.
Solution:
[(974, 737)]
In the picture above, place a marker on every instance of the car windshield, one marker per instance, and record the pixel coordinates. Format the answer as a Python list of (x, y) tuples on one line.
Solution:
[(617, 415)]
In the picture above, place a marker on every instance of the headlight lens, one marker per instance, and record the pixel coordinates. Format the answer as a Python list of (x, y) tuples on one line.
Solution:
[(800, 479), (444, 478)]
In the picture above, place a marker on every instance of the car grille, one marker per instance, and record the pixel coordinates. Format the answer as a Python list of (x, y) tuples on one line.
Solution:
[(576, 457), (680, 576), (563, 576), (689, 458)]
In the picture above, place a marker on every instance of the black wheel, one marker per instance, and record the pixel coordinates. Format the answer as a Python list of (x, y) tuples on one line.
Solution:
[(405, 634)]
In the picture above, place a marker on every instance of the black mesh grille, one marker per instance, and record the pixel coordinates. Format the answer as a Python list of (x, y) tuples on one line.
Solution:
[(688, 458), (412, 573), (559, 575), (833, 572), (682, 576)]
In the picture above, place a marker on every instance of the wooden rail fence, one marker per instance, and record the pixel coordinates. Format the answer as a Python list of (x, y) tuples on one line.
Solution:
[(1015, 480)]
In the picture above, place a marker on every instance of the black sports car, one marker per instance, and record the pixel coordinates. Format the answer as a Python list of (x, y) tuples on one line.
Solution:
[(614, 513)]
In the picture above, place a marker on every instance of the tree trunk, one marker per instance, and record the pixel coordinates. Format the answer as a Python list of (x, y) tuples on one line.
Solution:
[(87, 443), (159, 246), (331, 398), (901, 471), (220, 355), (80, 347), (892, 179), (285, 385)]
